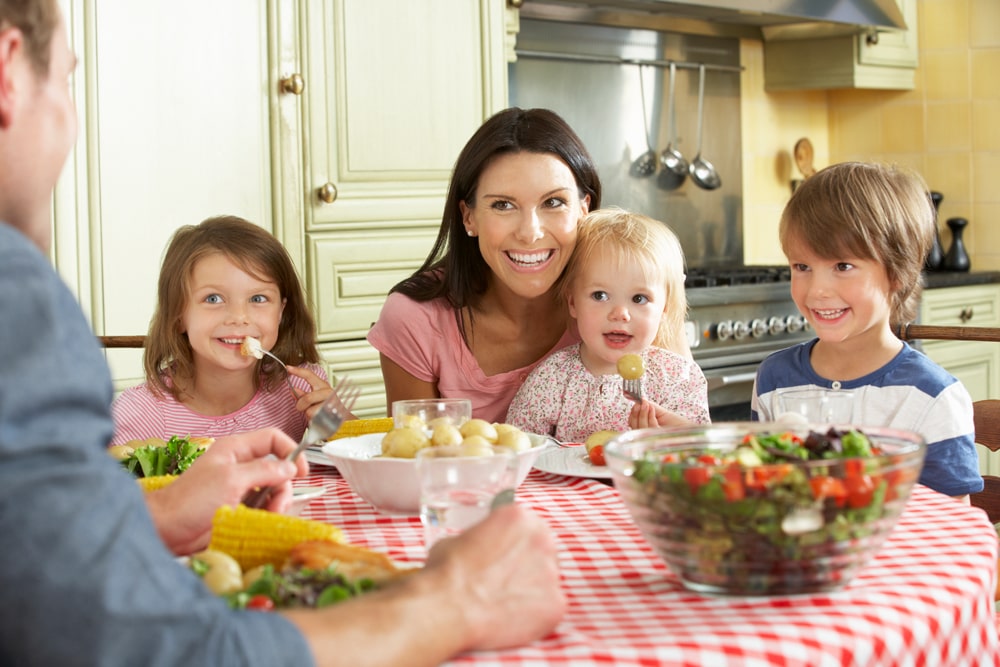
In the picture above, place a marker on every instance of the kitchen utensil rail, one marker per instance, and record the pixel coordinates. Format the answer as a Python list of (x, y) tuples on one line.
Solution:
[(616, 60)]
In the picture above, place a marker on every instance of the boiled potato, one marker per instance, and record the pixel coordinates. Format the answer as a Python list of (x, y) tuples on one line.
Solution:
[(598, 438), (513, 438), (476, 445), (223, 574), (479, 427), (404, 443), (445, 433), (437, 421), (415, 422)]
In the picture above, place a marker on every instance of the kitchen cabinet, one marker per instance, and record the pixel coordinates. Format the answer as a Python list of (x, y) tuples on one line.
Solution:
[(171, 131), (975, 364), (392, 91), (332, 123), (849, 61)]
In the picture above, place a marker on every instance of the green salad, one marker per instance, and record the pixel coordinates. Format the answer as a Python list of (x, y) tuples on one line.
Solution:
[(757, 509)]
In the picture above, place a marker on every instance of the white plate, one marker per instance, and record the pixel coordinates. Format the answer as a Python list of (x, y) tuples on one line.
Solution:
[(307, 493), (570, 461)]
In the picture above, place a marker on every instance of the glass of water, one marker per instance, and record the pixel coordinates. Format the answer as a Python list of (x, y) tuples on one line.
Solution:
[(815, 405), (457, 490)]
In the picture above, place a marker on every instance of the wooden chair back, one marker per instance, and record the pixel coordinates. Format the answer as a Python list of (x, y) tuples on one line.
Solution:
[(122, 341), (987, 417)]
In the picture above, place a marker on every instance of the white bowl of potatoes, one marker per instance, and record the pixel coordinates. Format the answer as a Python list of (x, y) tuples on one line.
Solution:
[(380, 467)]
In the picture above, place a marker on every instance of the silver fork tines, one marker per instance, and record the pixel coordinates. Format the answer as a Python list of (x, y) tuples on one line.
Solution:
[(325, 423), (632, 389)]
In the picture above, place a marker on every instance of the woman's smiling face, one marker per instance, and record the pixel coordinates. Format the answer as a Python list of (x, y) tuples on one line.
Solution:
[(525, 216)]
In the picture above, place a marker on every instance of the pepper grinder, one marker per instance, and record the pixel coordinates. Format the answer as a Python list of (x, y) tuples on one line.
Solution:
[(936, 256), (957, 258)]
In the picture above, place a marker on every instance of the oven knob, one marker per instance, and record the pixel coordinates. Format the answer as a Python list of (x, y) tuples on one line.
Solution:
[(775, 326), (794, 323), (723, 330), (758, 328), (741, 330)]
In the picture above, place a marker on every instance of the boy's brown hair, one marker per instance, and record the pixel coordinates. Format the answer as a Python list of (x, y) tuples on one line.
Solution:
[(638, 240), (869, 211), (256, 251)]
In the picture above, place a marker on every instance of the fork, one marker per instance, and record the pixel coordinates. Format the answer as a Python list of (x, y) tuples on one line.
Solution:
[(632, 389), (251, 347), (326, 422)]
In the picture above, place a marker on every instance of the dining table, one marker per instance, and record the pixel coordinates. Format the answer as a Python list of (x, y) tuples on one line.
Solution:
[(925, 598)]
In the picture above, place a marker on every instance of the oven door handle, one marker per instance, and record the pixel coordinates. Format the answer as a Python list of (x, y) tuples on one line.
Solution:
[(719, 381)]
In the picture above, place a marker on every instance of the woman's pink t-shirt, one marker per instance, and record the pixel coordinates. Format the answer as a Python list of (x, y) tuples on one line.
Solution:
[(424, 339)]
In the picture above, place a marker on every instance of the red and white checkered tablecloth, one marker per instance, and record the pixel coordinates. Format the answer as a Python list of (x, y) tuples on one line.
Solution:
[(926, 598)]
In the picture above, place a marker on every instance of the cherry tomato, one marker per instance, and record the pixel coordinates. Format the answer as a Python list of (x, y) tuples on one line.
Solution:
[(860, 489), (597, 455), (760, 477), (732, 483), (260, 603), (824, 486), (696, 477)]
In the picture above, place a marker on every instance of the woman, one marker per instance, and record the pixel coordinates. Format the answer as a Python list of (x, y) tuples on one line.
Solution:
[(483, 309)]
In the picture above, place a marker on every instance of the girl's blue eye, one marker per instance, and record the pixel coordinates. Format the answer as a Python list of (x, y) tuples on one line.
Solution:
[(213, 298), (258, 298)]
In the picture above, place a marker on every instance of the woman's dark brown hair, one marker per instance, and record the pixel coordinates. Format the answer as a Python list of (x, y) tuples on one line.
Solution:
[(256, 251), (455, 267)]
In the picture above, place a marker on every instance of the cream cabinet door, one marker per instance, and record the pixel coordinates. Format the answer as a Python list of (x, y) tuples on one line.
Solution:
[(174, 127), (395, 88)]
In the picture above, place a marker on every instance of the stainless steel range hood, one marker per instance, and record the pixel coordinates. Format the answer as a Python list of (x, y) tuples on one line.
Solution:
[(766, 19)]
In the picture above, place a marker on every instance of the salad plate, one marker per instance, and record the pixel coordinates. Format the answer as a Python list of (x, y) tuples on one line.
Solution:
[(570, 461)]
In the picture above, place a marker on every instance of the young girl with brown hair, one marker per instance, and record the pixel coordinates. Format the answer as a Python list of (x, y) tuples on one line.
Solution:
[(222, 281)]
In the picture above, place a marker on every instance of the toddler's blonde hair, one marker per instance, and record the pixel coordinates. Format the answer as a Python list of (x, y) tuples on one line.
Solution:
[(638, 240)]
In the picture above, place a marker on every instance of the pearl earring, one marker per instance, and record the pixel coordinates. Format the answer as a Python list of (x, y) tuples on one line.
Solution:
[(470, 232)]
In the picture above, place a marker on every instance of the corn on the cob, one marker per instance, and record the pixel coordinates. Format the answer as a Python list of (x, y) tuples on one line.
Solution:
[(355, 427), (156, 482), (255, 537)]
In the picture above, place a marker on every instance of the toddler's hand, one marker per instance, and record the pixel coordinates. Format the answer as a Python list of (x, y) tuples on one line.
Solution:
[(647, 414)]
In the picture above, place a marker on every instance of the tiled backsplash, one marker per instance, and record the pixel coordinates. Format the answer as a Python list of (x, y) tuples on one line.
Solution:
[(947, 128)]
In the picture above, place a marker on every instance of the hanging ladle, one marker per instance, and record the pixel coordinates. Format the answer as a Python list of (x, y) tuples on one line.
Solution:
[(675, 167), (644, 165), (702, 171)]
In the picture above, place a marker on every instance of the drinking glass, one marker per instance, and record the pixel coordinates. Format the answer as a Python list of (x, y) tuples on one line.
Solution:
[(815, 405), (457, 489)]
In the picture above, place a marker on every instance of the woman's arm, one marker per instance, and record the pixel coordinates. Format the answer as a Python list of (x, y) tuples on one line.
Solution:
[(401, 385)]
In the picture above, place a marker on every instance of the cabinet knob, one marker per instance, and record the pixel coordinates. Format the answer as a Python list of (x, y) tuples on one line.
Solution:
[(293, 84), (965, 315), (516, 4), (327, 192)]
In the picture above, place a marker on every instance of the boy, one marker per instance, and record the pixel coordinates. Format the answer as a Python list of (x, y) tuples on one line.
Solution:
[(856, 236)]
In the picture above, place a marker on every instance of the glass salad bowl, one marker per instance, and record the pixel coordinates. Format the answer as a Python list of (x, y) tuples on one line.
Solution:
[(747, 508)]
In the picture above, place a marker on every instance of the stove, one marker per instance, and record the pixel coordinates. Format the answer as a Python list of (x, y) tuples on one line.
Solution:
[(737, 316)]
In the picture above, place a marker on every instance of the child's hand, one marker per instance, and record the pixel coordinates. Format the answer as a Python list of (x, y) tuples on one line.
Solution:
[(647, 414), (310, 402)]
